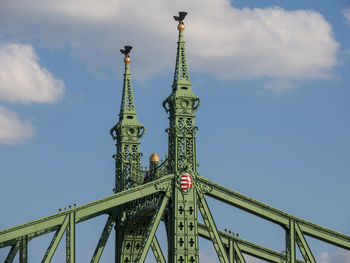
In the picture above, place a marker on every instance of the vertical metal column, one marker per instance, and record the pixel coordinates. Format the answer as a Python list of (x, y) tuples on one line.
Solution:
[(23, 250), (290, 242), (70, 239)]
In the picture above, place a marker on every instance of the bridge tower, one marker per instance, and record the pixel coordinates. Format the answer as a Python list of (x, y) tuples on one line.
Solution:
[(181, 219), (126, 133), (171, 191)]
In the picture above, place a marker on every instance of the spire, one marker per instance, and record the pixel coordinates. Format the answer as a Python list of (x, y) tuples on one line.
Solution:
[(127, 105), (181, 75), (127, 133)]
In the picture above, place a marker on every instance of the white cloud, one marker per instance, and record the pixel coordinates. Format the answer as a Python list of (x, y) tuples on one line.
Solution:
[(346, 13), (278, 86), (222, 40), (340, 256), (22, 79), (13, 130)]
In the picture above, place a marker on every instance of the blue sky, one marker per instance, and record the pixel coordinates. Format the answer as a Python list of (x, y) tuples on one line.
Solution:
[(273, 77)]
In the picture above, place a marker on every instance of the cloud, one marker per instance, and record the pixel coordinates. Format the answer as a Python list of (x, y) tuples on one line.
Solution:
[(222, 40), (340, 256), (346, 14), (278, 86), (22, 79), (12, 129)]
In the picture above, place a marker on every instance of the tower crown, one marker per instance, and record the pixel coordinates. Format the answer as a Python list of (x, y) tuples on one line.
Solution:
[(128, 126), (182, 98)]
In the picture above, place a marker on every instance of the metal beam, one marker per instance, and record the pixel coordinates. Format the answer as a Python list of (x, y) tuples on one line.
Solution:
[(151, 231), (290, 242), (231, 251), (55, 241), (245, 246), (238, 253), (157, 251), (303, 246), (14, 249), (103, 240), (8, 237), (272, 214), (213, 231), (70, 239), (23, 250)]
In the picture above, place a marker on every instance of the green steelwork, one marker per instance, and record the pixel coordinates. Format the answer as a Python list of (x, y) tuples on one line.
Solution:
[(152, 230), (272, 214), (157, 251), (245, 246), (55, 241), (8, 237), (70, 239), (171, 191), (291, 242), (212, 229), (11, 255), (103, 240), (127, 133), (23, 250), (303, 246), (181, 221)]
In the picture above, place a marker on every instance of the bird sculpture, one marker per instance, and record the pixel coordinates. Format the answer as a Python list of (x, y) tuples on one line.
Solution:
[(181, 17), (126, 50)]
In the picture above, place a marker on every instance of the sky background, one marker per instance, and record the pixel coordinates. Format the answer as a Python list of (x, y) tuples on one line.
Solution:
[(273, 77)]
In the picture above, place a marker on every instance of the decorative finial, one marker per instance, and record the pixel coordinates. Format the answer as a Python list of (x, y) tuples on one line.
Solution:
[(181, 18), (126, 52), (154, 157)]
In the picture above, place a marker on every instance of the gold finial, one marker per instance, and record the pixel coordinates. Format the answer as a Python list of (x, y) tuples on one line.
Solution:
[(126, 52), (127, 59), (181, 26), (181, 18), (154, 157)]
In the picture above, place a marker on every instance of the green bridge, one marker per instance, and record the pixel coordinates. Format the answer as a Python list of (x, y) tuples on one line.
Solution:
[(169, 190)]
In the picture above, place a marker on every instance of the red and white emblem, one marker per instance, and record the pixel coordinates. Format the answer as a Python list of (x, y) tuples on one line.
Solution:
[(186, 183)]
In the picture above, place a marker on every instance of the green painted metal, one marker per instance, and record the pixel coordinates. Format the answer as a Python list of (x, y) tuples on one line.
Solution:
[(245, 246), (103, 240), (291, 242), (55, 241), (238, 253), (14, 249), (70, 239), (152, 230), (138, 205), (231, 251), (157, 251), (303, 245), (127, 133), (272, 214), (23, 250), (213, 231), (8, 237), (181, 220)]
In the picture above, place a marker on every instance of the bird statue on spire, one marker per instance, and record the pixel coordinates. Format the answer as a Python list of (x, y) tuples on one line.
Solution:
[(126, 52), (181, 18)]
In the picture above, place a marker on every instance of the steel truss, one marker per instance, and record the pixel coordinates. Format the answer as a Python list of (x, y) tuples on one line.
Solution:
[(229, 248), (172, 192)]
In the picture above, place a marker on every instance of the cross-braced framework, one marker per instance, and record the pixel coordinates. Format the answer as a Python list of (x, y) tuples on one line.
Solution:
[(171, 191)]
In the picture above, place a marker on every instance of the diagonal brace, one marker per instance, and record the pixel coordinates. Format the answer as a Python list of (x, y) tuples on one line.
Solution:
[(157, 251), (55, 241), (11, 255), (103, 240), (151, 231), (213, 231), (238, 253), (303, 245)]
